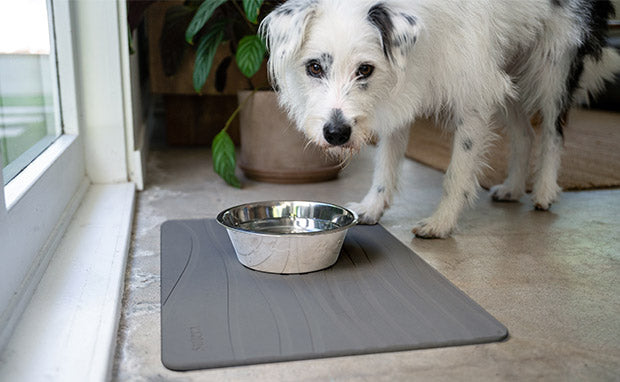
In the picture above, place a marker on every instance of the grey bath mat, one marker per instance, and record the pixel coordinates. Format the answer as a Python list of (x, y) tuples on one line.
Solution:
[(378, 297)]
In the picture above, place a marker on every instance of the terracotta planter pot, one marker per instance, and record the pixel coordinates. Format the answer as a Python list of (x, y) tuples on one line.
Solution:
[(273, 150)]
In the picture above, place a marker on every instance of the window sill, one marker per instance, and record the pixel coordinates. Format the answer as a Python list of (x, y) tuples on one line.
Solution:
[(68, 330), (23, 182)]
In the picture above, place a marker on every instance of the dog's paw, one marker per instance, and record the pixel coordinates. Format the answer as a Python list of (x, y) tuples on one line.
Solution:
[(366, 213), (431, 229), (543, 199), (542, 206), (503, 193)]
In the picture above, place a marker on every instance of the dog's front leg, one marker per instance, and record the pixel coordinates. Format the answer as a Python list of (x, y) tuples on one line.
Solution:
[(390, 152), (473, 135)]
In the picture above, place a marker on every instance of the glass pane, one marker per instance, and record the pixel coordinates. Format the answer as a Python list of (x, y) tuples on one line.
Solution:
[(28, 88)]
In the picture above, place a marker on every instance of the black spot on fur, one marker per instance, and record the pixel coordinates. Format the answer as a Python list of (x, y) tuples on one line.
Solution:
[(363, 85), (327, 60), (409, 18), (395, 38), (557, 3), (379, 16), (560, 122), (284, 11), (288, 8), (380, 189), (467, 144), (600, 12), (401, 39), (592, 45)]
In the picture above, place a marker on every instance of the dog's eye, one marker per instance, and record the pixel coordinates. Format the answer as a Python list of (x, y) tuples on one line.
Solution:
[(314, 69), (364, 71)]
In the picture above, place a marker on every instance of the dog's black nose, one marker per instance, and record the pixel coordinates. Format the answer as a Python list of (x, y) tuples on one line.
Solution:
[(336, 131), (336, 134)]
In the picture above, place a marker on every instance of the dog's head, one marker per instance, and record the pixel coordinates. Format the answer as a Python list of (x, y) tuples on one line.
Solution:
[(335, 62)]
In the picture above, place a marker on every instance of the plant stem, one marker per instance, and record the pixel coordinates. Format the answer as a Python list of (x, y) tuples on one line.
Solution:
[(242, 12), (234, 114)]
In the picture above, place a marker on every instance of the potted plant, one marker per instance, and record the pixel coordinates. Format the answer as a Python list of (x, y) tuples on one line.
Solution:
[(250, 53), (207, 25)]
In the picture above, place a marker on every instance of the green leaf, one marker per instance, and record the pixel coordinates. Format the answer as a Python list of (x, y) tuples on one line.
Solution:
[(252, 8), (224, 163), (203, 14), (250, 54), (206, 52)]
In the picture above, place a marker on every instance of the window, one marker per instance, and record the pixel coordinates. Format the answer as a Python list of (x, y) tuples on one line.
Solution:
[(95, 145), (43, 171), (29, 109)]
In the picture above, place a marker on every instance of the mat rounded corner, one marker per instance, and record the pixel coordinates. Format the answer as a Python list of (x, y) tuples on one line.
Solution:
[(503, 334), (168, 223), (183, 365), (174, 365)]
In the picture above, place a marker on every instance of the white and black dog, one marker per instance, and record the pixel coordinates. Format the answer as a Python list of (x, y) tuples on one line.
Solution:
[(349, 70)]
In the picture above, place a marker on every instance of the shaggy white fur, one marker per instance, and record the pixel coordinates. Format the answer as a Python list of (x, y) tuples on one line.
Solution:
[(349, 70)]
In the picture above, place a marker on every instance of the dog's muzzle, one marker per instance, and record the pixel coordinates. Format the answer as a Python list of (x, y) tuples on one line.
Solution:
[(336, 131)]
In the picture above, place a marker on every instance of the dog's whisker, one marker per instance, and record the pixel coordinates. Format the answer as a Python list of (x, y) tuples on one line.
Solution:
[(307, 145)]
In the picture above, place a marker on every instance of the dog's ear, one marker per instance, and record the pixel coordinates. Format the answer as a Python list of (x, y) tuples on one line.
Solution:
[(398, 30), (283, 31)]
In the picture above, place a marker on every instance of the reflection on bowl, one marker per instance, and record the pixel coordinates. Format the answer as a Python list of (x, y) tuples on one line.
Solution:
[(287, 236)]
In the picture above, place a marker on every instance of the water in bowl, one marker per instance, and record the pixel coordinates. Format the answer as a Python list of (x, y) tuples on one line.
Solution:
[(288, 225)]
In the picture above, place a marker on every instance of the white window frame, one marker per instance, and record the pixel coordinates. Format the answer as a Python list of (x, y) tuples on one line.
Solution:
[(65, 223), (33, 203)]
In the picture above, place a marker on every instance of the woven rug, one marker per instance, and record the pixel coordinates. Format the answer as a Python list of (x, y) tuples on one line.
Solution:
[(591, 157)]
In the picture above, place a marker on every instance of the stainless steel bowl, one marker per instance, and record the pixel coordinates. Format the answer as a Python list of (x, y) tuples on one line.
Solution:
[(287, 236)]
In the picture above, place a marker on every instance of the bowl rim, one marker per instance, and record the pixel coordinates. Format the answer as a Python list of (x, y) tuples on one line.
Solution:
[(220, 219)]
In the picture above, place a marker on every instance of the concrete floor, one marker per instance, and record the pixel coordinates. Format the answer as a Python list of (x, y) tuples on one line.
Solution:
[(553, 278)]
